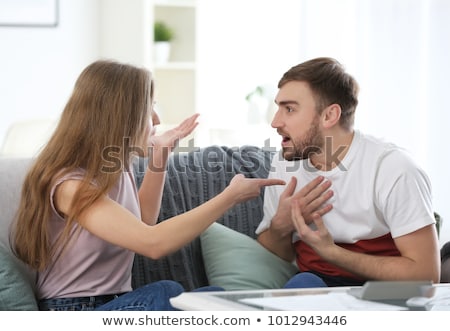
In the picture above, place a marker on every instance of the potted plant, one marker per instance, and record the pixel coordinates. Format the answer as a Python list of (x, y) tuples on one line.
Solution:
[(260, 104), (162, 36)]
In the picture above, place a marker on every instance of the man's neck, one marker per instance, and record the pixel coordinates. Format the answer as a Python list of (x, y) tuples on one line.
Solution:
[(336, 146)]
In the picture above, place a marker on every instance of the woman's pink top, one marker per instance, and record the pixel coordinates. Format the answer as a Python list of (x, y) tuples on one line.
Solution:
[(90, 266)]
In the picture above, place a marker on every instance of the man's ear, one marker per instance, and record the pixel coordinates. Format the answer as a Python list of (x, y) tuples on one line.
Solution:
[(331, 115)]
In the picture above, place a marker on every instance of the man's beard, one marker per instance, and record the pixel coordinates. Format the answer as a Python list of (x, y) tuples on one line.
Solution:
[(311, 143)]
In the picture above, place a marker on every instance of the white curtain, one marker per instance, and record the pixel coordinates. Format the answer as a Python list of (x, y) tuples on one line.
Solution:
[(398, 51)]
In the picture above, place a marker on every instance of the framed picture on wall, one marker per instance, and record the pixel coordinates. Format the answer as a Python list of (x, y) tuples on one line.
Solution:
[(29, 13)]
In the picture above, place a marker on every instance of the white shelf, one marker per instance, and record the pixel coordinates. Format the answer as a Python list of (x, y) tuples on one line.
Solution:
[(176, 79), (175, 3)]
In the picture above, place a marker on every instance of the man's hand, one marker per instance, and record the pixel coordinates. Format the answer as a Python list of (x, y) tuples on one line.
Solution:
[(311, 199), (319, 239)]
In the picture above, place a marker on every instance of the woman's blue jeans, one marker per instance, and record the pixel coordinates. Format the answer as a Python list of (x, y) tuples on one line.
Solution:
[(154, 296)]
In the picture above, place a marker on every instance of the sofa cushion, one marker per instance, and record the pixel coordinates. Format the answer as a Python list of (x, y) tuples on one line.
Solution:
[(235, 261), (16, 292)]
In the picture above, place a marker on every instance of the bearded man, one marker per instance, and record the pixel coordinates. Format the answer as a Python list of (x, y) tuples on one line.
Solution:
[(355, 208)]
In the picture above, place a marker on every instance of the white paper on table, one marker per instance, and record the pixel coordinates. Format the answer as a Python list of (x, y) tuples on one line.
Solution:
[(439, 301), (318, 302)]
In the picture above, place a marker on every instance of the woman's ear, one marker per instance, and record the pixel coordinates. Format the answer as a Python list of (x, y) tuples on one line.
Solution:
[(331, 115)]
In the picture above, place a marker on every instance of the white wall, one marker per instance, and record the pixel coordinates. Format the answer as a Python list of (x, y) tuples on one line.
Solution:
[(39, 66), (242, 44), (125, 30)]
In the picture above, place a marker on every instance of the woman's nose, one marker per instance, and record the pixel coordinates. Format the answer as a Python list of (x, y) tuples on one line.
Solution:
[(155, 118)]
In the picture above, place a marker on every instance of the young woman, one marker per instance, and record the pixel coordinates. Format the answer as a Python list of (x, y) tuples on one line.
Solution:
[(81, 218)]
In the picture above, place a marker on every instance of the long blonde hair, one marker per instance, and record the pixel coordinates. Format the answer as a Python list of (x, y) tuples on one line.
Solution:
[(108, 112)]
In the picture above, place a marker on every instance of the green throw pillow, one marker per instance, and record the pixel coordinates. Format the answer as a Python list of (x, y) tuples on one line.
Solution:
[(236, 261), (16, 292)]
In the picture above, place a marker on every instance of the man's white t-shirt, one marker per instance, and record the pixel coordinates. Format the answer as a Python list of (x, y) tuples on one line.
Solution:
[(379, 193)]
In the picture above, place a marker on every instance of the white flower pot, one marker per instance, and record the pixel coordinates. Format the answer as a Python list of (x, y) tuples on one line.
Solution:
[(162, 52)]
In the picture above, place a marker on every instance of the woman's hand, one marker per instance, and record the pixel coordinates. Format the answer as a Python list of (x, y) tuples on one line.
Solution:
[(243, 189), (169, 139)]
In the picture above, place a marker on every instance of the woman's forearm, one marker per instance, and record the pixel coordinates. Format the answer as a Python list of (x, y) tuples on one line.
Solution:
[(151, 190)]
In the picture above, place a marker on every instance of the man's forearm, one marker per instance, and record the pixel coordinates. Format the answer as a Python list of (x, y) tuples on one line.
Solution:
[(277, 244), (384, 267)]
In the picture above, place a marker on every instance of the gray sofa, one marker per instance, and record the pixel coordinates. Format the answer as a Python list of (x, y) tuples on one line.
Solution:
[(192, 179)]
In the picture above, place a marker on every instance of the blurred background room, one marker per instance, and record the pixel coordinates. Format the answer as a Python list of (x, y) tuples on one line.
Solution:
[(224, 61)]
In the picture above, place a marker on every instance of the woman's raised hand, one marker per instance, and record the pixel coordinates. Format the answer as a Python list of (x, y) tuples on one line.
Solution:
[(170, 138)]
